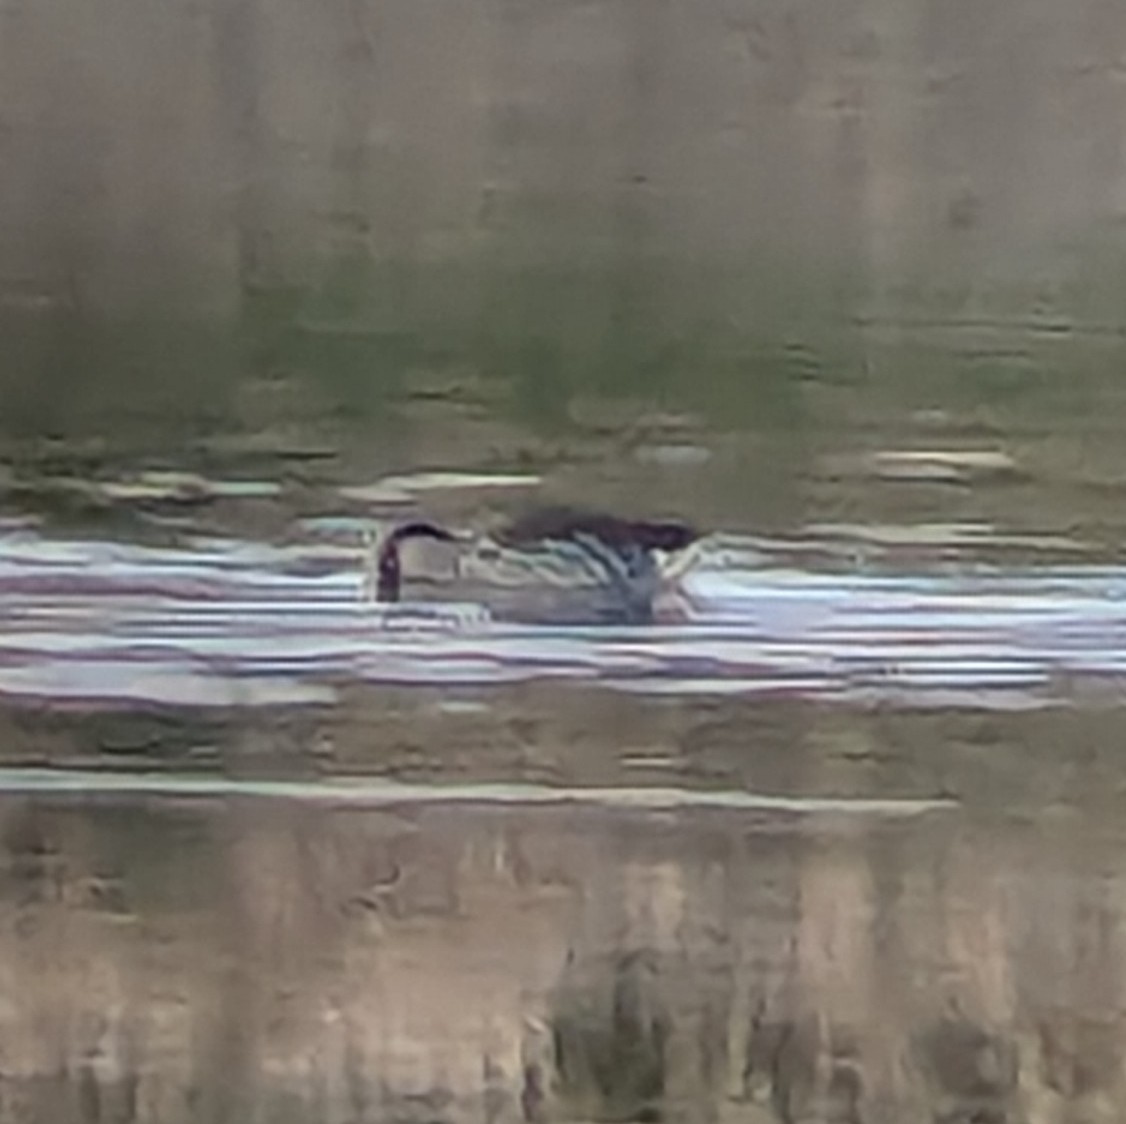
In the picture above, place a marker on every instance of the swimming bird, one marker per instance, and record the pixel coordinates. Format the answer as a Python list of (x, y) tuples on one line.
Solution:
[(606, 567)]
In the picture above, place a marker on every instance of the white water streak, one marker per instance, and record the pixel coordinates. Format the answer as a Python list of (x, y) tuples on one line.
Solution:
[(244, 624)]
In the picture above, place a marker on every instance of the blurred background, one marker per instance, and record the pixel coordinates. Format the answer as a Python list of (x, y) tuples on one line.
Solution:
[(565, 236), (841, 282)]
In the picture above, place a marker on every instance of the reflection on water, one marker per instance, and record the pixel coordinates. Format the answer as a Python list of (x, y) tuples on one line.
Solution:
[(238, 623), (238, 956)]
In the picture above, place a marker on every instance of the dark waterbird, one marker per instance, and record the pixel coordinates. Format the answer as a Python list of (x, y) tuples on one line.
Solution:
[(619, 552)]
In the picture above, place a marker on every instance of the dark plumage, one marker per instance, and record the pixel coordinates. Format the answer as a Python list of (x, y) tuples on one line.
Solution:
[(568, 524), (620, 549)]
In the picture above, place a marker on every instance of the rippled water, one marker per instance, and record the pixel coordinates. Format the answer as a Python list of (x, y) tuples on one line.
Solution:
[(244, 623), (839, 840)]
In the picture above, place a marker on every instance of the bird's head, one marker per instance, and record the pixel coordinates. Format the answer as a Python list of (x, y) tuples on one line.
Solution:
[(388, 561)]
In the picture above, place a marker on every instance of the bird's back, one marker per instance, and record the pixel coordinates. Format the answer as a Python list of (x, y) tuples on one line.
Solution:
[(570, 524)]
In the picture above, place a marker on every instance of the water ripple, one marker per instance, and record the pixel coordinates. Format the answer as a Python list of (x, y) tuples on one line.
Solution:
[(245, 624)]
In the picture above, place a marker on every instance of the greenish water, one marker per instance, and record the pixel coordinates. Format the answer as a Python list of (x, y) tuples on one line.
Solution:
[(753, 400)]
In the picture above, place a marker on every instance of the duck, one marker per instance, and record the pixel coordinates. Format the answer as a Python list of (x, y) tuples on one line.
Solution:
[(612, 561)]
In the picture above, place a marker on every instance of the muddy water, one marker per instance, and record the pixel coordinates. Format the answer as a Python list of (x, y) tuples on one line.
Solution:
[(180, 952), (841, 843), (840, 283)]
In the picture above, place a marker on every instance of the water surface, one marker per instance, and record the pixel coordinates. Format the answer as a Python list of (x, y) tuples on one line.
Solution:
[(240, 623), (179, 952)]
